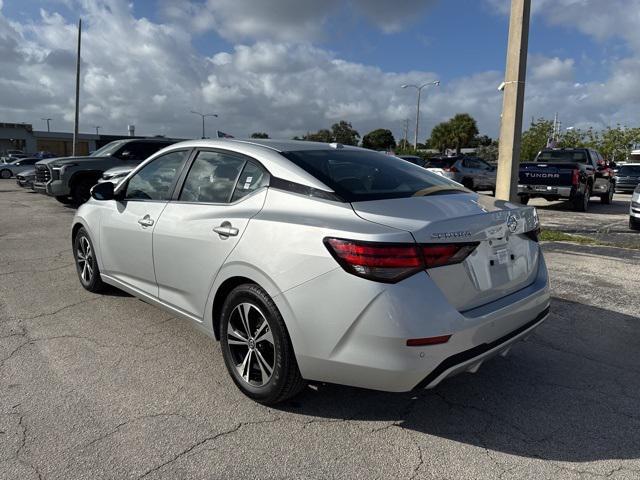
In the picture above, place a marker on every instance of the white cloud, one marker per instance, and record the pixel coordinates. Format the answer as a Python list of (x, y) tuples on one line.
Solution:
[(545, 69)]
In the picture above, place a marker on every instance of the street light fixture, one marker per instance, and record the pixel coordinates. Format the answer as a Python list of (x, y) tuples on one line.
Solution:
[(419, 88), (47, 120), (97, 127), (204, 115)]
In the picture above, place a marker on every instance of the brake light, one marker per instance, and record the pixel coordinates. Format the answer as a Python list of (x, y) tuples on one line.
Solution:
[(392, 262), (575, 178)]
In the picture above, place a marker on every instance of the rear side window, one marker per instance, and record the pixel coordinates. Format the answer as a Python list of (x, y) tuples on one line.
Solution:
[(562, 156), (212, 178), (253, 177), (359, 175)]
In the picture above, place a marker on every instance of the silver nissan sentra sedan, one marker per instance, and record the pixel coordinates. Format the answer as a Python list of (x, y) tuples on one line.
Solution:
[(318, 262)]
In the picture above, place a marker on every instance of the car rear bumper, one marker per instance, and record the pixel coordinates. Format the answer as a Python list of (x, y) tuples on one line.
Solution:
[(359, 338), (542, 190)]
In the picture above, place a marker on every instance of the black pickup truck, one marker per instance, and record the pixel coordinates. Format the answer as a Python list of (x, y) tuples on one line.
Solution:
[(575, 174)]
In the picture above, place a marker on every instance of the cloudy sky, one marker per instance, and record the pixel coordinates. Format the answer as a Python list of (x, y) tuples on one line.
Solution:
[(291, 66)]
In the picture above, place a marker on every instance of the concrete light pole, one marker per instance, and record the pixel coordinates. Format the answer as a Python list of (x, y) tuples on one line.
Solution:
[(419, 89), (47, 120), (77, 113), (513, 102), (204, 115)]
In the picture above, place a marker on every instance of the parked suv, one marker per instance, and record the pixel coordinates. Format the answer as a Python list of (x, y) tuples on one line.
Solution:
[(70, 179), (575, 174), (472, 172), (627, 177)]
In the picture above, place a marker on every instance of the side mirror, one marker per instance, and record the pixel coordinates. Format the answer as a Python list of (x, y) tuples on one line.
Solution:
[(103, 191)]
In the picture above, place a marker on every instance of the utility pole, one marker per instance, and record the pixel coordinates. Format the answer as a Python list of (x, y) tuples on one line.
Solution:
[(47, 120), (513, 102), (204, 115), (75, 123), (97, 127)]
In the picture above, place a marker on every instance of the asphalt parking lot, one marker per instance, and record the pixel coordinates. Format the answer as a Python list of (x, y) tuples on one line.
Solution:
[(110, 387)]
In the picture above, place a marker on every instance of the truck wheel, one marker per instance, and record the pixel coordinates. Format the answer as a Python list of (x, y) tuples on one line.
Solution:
[(81, 191), (524, 199), (64, 200), (5, 173), (581, 202), (607, 198)]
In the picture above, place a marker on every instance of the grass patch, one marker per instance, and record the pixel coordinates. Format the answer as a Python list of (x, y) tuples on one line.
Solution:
[(558, 236)]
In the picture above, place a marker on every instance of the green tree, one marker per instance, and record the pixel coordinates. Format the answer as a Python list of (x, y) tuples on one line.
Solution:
[(259, 135), (380, 139), (322, 135), (344, 133), (404, 146), (535, 139), (463, 130), (441, 136), (488, 153)]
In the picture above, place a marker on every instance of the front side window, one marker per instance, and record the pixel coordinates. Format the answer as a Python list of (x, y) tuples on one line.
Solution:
[(156, 179), (358, 175), (140, 150), (212, 178)]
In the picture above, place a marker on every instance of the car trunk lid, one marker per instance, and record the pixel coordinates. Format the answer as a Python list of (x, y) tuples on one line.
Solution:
[(504, 261)]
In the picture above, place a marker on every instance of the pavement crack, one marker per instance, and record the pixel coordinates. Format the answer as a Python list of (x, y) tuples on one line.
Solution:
[(201, 442)]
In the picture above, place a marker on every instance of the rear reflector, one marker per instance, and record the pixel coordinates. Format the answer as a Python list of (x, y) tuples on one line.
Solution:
[(419, 342), (392, 262)]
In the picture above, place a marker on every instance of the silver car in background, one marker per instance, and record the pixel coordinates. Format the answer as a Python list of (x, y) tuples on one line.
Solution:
[(115, 174), (472, 172), (634, 210), (318, 262)]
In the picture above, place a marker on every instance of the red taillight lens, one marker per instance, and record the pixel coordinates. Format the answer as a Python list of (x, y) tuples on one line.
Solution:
[(385, 262), (420, 342), (392, 262), (439, 255), (575, 177)]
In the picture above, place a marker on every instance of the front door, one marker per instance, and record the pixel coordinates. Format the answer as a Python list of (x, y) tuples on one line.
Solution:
[(127, 227), (197, 232)]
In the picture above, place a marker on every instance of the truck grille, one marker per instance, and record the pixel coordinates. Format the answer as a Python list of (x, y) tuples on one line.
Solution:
[(43, 175)]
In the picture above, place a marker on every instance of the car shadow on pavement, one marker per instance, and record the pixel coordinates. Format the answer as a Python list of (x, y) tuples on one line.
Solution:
[(570, 392)]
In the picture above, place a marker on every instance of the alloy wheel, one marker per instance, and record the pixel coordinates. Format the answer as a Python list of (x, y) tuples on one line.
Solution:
[(84, 256), (5, 173), (251, 345)]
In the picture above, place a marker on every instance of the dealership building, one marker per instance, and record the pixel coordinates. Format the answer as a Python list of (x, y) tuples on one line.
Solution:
[(22, 136)]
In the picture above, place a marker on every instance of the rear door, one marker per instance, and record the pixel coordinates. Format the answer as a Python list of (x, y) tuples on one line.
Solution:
[(127, 226), (202, 225)]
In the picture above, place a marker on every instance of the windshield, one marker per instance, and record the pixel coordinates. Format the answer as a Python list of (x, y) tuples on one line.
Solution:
[(630, 170), (109, 149), (360, 175), (562, 156)]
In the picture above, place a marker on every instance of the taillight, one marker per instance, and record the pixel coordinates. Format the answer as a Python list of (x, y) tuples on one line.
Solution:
[(575, 177), (451, 169), (392, 262)]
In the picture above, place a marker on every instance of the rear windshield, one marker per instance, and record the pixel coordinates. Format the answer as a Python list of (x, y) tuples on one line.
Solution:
[(359, 175), (633, 170), (562, 156)]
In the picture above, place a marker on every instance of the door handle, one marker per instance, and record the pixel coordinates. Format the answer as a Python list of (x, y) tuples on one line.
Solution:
[(226, 230), (146, 221)]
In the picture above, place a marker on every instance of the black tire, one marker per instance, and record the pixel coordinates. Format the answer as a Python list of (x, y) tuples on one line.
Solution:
[(607, 198), (64, 200), (86, 262), (634, 224), (467, 183), (5, 173), (285, 380), (81, 190), (524, 199), (581, 202)]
